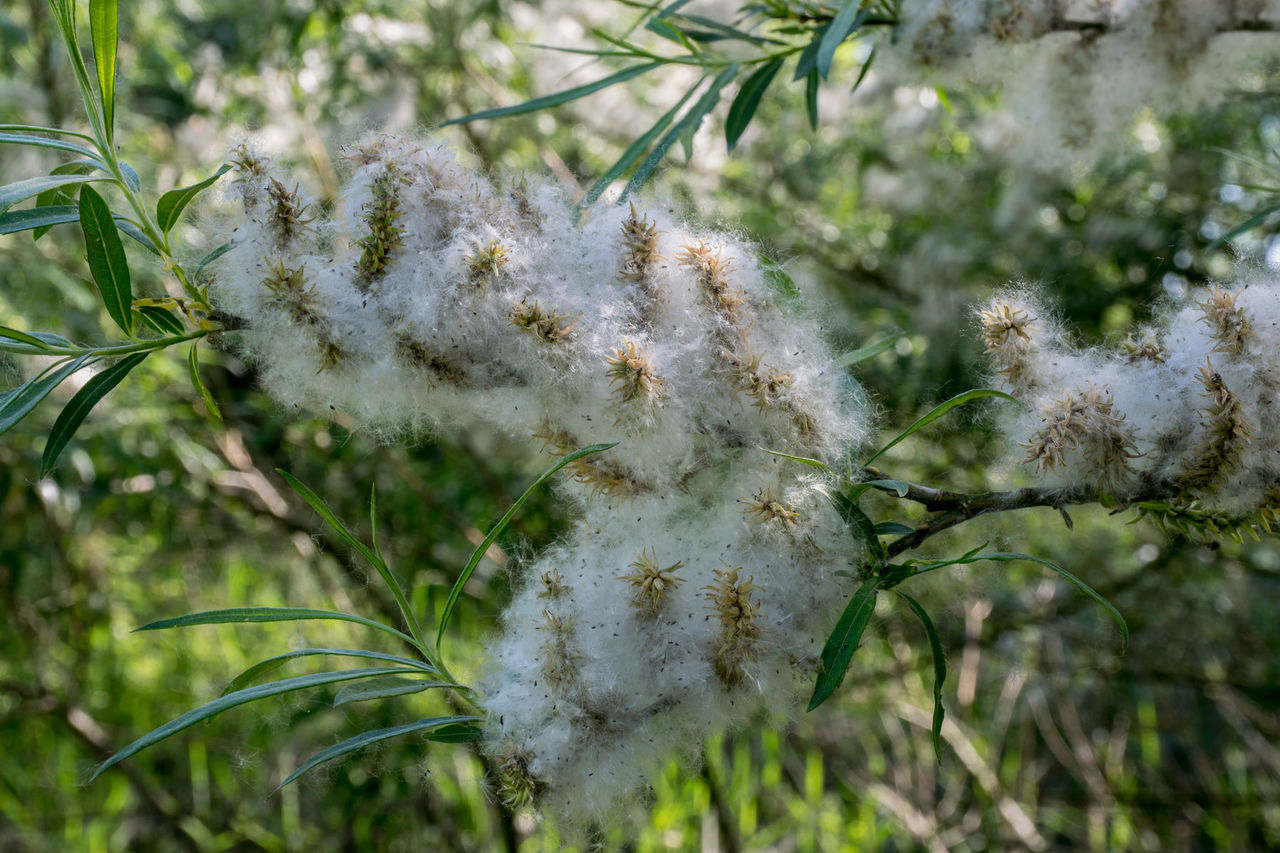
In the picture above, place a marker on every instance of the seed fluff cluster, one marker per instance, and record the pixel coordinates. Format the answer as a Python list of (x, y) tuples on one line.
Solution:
[(1185, 413), (1076, 74), (697, 584)]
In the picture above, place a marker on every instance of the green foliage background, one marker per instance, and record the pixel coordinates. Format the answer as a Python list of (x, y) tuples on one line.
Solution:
[(1053, 740)]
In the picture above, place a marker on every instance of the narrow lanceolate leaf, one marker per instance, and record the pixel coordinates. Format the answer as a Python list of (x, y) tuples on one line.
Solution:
[(81, 404), (843, 642), (11, 194), (811, 98), (240, 697), (363, 739), (193, 366), (558, 98), (172, 203), (687, 126), (1003, 556), (859, 524), (938, 411), (104, 22), (159, 320), (939, 670), (271, 664), (803, 460), (845, 22), (748, 99), (17, 403), (869, 351), (32, 343), (384, 688), (106, 258), (456, 592), (46, 142), (393, 584), (267, 614), (37, 218), (633, 152)]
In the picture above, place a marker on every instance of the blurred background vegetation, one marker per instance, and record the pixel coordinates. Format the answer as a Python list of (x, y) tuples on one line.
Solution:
[(901, 213)]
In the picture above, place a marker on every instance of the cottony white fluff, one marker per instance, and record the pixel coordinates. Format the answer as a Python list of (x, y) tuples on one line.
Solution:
[(696, 586), (1076, 74), (1186, 410)]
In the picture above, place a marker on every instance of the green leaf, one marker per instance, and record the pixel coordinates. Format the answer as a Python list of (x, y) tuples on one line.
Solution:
[(1006, 556), (363, 739), (456, 733), (59, 131), (688, 124), (866, 67), (558, 98), (81, 404), (898, 487), (669, 31), (775, 275), (267, 614), (807, 64), (397, 591), (210, 258), (22, 337), (871, 350), (129, 227), (130, 176), (159, 320), (107, 262), (14, 341), (893, 528), (172, 203), (811, 97), (633, 152), (193, 367), (384, 688), (845, 22), (39, 218), (859, 524), (939, 670), (1252, 222), (11, 194), (62, 196), (17, 403), (104, 21), (231, 700), (940, 410), (271, 664), (456, 592), (748, 99), (803, 460), (843, 641), (45, 142)]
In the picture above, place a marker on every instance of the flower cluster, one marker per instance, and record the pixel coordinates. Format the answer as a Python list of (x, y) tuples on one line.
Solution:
[(698, 582), (1185, 411), (1076, 75)]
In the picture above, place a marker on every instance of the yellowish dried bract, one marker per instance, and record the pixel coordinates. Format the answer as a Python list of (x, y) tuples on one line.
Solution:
[(1226, 433), (1228, 323), (653, 584), (518, 788), (632, 376), (640, 236), (1086, 421), (1008, 334), (713, 281), (766, 508), (485, 264), (549, 327), (561, 659), (553, 585), (730, 600)]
